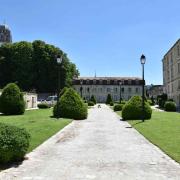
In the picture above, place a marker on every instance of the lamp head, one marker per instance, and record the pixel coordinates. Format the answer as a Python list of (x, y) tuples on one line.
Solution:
[(143, 59)]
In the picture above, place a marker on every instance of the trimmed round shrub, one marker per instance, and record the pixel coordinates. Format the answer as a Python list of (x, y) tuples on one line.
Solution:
[(11, 100), (90, 103), (70, 106), (111, 104), (170, 106), (93, 99), (123, 102), (14, 143), (118, 107), (132, 110), (109, 99), (43, 106), (63, 91)]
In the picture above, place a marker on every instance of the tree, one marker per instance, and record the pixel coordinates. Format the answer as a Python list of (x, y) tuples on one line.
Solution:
[(109, 99), (34, 66), (93, 99)]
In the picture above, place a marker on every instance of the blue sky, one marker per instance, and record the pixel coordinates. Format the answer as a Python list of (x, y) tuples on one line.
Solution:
[(108, 36)]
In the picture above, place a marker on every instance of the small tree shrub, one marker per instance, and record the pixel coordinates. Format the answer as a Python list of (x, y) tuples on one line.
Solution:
[(93, 99), (153, 101), (161, 99), (14, 143), (11, 100), (149, 102), (111, 104), (170, 106), (90, 103), (109, 99), (118, 107), (132, 110), (71, 106), (43, 106)]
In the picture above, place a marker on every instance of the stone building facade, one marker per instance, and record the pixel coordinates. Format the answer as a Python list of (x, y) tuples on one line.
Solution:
[(5, 34), (171, 72), (155, 90), (100, 87)]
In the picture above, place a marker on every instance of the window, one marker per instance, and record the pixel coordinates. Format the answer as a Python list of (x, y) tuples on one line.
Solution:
[(137, 90), (122, 90), (115, 90), (178, 50), (178, 67), (108, 89), (172, 88), (178, 84), (129, 89)]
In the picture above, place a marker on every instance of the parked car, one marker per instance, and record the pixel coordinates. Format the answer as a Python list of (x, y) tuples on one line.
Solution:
[(51, 100)]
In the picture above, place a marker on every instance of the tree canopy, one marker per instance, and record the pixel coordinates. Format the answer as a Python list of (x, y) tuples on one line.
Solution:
[(33, 66)]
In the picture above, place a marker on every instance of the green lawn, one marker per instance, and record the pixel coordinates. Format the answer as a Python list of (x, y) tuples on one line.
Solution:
[(162, 130), (38, 123)]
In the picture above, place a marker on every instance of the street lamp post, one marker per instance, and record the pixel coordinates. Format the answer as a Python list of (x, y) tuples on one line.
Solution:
[(143, 61), (120, 83), (81, 88), (59, 62)]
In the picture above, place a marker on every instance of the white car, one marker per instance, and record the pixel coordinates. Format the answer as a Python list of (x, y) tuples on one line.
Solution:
[(51, 100)]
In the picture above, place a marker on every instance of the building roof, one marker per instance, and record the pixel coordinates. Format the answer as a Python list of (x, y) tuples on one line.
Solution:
[(107, 81), (172, 47), (108, 78)]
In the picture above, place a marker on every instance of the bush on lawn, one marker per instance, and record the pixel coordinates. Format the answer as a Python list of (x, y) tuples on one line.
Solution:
[(118, 107), (132, 110), (11, 100), (111, 104), (63, 91), (170, 106), (90, 103), (161, 99), (71, 106), (43, 106), (149, 101), (109, 99), (14, 143), (123, 102), (93, 99)]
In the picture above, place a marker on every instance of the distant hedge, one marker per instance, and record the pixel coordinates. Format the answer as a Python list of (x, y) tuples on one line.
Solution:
[(118, 107), (90, 103), (14, 143), (132, 110), (11, 100), (43, 106), (170, 106)]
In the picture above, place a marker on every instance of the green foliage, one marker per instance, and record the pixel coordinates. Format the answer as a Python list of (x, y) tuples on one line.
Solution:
[(161, 99), (43, 106), (123, 102), (170, 106), (118, 107), (14, 143), (111, 104), (63, 91), (109, 99), (11, 100), (133, 109), (152, 100), (93, 99), (33, 66), (71, 106), (90, 103)]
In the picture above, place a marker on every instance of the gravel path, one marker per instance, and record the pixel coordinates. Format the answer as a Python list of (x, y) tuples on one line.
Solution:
[(99, 148)]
